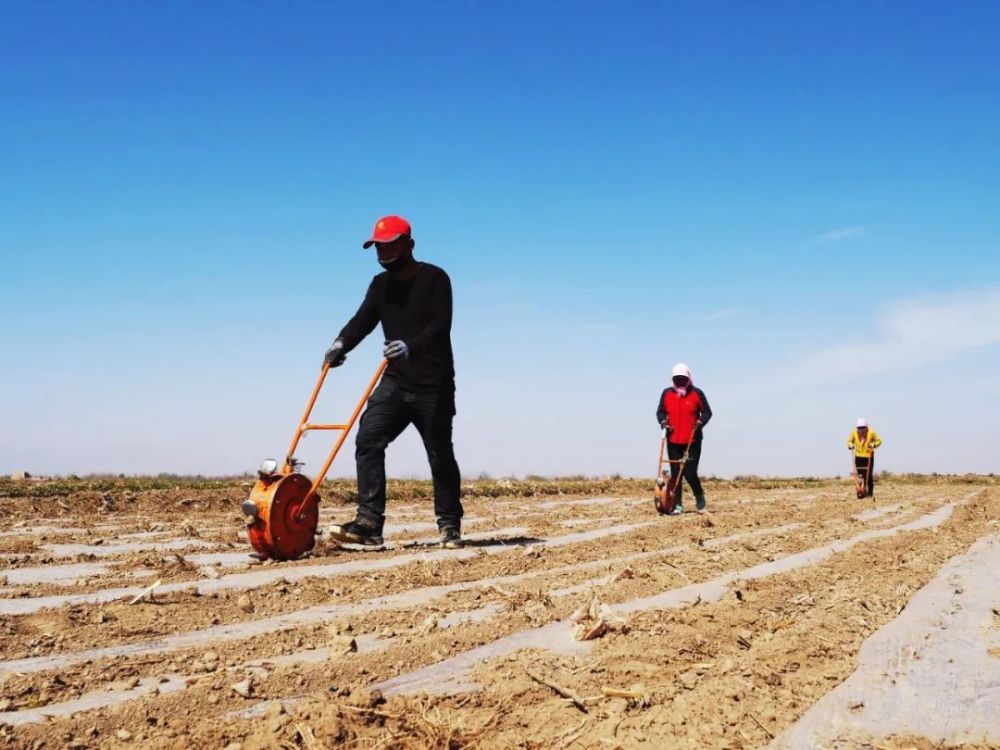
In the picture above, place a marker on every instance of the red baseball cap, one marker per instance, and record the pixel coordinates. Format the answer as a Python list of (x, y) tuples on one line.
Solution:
[(387, 229)]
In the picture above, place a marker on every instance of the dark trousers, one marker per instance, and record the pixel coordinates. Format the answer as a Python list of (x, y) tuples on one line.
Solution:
[(675, 452), (866, 473), (391, 408)]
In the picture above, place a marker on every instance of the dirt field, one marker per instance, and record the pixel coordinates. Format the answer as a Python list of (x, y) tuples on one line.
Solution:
[(723, 629)]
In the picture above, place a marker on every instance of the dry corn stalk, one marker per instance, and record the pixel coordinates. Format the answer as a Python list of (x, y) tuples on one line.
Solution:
[(588, 631), (594, 620), (429, 625), (637, 693), (148, 591), (622, 574)]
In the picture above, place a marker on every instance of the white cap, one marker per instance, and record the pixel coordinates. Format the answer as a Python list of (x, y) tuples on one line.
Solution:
[(681, 369), (861, 422)]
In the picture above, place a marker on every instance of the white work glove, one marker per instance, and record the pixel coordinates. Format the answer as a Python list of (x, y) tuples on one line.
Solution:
[(396, 349)]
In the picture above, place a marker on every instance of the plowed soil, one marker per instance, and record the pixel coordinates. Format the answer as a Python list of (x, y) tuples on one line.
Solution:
[(711, 630)]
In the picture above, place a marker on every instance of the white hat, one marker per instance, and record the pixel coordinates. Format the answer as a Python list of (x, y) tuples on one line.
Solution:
[(681, 369), (861, 422)]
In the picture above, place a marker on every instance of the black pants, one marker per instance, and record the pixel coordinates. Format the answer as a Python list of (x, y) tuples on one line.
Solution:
[(675, 453), (866, 474), (391, 408)]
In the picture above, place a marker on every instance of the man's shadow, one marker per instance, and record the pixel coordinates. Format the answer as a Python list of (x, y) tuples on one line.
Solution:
[(326, 547), (512, 541)]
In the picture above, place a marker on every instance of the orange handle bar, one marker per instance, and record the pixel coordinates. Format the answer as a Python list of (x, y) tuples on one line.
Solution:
[(344, 429), (663, 452)]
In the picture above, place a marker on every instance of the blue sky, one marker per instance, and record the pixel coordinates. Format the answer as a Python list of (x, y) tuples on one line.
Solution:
[(799, 200)]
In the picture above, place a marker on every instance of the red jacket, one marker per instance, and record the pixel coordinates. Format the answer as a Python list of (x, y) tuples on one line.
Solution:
[(683, 412)]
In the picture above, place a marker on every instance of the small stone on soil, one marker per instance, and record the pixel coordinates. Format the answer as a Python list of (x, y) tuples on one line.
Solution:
[(244, 688), (343, 644)]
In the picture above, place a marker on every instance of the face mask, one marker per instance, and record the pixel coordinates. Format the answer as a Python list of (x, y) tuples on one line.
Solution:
[(397, 264)]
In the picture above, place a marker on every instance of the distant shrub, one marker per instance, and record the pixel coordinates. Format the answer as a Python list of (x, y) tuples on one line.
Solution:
[(344, 490)]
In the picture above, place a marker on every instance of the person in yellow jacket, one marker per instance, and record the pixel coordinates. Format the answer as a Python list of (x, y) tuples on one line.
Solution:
[(863, 441)]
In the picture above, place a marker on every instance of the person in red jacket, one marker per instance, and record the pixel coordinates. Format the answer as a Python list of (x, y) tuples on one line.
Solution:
[(683, 411)]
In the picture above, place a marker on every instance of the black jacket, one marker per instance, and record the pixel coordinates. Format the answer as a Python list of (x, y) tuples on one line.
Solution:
[(417, 311)]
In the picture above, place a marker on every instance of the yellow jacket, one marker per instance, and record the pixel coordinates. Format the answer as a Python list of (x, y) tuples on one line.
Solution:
[(864, 448)]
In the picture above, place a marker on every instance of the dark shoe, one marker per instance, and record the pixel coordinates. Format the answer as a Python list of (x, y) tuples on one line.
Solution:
[(356, 533), (699, 502), (451, 539)]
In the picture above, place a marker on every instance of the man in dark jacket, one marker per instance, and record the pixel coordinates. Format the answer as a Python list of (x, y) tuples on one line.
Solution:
[(683, 411), (412, 301)]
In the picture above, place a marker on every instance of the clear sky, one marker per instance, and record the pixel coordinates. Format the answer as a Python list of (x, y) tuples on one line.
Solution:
[(801, 200)]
